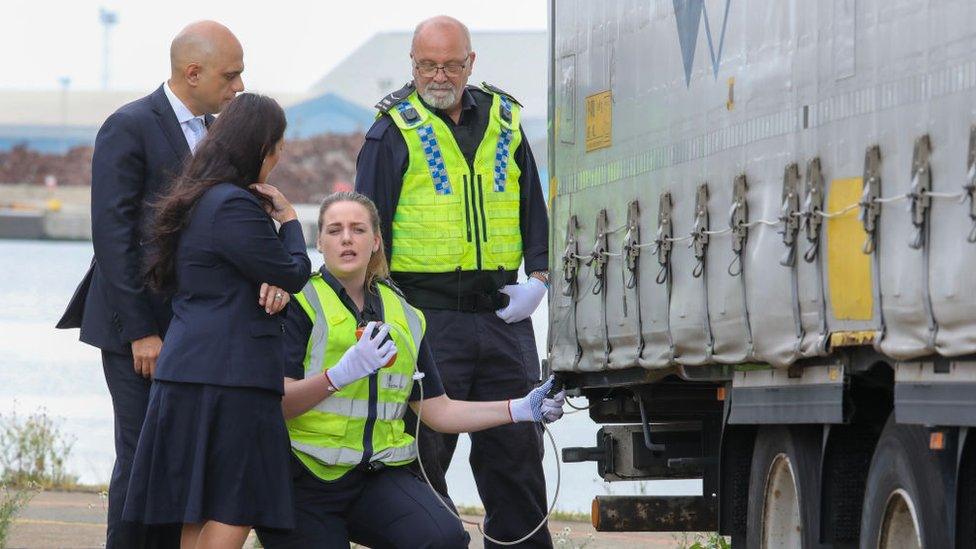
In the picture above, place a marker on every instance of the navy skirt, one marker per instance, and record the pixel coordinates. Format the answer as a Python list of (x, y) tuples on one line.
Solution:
[(208, 452)]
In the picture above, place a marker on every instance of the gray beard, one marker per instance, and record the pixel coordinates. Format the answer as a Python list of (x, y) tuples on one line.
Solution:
[(439, 102)]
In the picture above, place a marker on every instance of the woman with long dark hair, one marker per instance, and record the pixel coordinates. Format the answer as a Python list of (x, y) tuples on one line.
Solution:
[(213, 453)]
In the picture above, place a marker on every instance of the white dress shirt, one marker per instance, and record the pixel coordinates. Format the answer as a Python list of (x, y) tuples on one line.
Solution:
[(194, 127)]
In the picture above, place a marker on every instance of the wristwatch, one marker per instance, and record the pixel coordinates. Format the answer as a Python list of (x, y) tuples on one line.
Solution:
[(542, 276)]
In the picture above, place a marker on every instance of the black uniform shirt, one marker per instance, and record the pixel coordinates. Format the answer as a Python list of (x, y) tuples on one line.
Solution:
[(298, 329), (379, 175)]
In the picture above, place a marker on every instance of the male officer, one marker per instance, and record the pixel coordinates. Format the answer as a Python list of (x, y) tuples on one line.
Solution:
[(461, 207), (138, 151)]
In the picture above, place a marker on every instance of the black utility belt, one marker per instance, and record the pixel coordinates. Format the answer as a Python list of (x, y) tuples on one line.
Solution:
[(371, 467), (467, 303)]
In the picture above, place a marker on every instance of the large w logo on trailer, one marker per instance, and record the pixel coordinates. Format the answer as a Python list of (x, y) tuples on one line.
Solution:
[(688, 15)]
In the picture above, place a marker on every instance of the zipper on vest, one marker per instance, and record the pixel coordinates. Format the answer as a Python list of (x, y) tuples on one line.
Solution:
[(481, 201), (370, 421), (467, 207), (474, 215)]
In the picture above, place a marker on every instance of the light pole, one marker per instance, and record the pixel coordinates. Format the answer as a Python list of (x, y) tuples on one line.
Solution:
[(108, 20), (65, 82)]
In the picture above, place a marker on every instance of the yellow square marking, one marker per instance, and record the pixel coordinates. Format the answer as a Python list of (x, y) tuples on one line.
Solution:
[(599, 121), (848, 268)]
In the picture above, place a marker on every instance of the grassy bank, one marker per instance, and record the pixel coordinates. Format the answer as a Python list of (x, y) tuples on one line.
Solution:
[(557, 515), (33, 453)]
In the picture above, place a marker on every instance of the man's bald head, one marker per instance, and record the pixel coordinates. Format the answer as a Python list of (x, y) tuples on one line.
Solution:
[(438, 28), (199, 42), (442, 61), (206, 61)]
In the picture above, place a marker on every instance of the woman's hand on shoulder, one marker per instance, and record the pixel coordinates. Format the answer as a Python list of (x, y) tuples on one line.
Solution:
[(279, 208)]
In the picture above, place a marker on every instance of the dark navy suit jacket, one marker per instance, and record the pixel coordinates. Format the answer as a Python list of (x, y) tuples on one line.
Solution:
[(219, 334), (139, 150)]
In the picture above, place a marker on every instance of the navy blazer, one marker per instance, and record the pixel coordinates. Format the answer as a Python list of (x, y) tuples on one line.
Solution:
[(139, 150), (219, 334)]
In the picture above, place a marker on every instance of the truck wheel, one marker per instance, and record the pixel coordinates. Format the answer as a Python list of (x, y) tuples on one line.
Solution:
[(904, 502), (966, 510), (847, 457), (783, 492)]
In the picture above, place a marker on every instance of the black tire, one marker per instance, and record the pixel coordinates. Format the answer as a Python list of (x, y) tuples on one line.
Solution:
[(800, 446), (904, 471), (737, 444), (965, 525), (843, 472)]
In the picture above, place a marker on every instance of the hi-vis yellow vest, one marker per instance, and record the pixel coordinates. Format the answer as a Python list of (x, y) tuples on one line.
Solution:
[(331, 439), (452, 215)]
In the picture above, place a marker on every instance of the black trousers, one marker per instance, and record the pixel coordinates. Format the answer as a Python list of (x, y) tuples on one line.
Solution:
[(481, 358), (389, 508), (130, 396)]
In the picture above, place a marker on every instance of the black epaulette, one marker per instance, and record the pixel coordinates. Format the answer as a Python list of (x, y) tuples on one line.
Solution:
[(391, 99), (500, 91)]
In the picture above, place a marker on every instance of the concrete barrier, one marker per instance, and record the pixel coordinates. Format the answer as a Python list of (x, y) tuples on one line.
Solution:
[(27, 224), (67, 226)]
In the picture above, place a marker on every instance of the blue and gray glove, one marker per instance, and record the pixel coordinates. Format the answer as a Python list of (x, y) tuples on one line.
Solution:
[(536, 406)]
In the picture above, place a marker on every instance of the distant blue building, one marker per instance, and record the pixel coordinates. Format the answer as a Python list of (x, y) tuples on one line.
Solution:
[(327, 113), (331, 113), (41, 121), (53, 121), (46, 139)]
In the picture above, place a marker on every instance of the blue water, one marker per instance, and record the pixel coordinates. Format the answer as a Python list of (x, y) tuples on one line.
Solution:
[(44, 368)]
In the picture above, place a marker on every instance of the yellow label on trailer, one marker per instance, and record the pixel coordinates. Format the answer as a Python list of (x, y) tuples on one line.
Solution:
[(599, 121), (848, 268), (852, 339)]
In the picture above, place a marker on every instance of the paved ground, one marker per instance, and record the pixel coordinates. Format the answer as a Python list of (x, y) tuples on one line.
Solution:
[(65, 519)]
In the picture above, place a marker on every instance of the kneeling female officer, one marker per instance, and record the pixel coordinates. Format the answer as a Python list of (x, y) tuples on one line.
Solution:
[(345, 409)]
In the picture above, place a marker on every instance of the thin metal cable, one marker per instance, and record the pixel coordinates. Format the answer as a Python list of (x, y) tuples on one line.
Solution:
[(419, 376)]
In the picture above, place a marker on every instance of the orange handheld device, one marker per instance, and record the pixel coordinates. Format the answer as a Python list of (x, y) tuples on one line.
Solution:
[(359, 335)]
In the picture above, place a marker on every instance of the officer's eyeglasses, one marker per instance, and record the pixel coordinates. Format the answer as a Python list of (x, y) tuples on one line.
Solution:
[(429, 70)]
